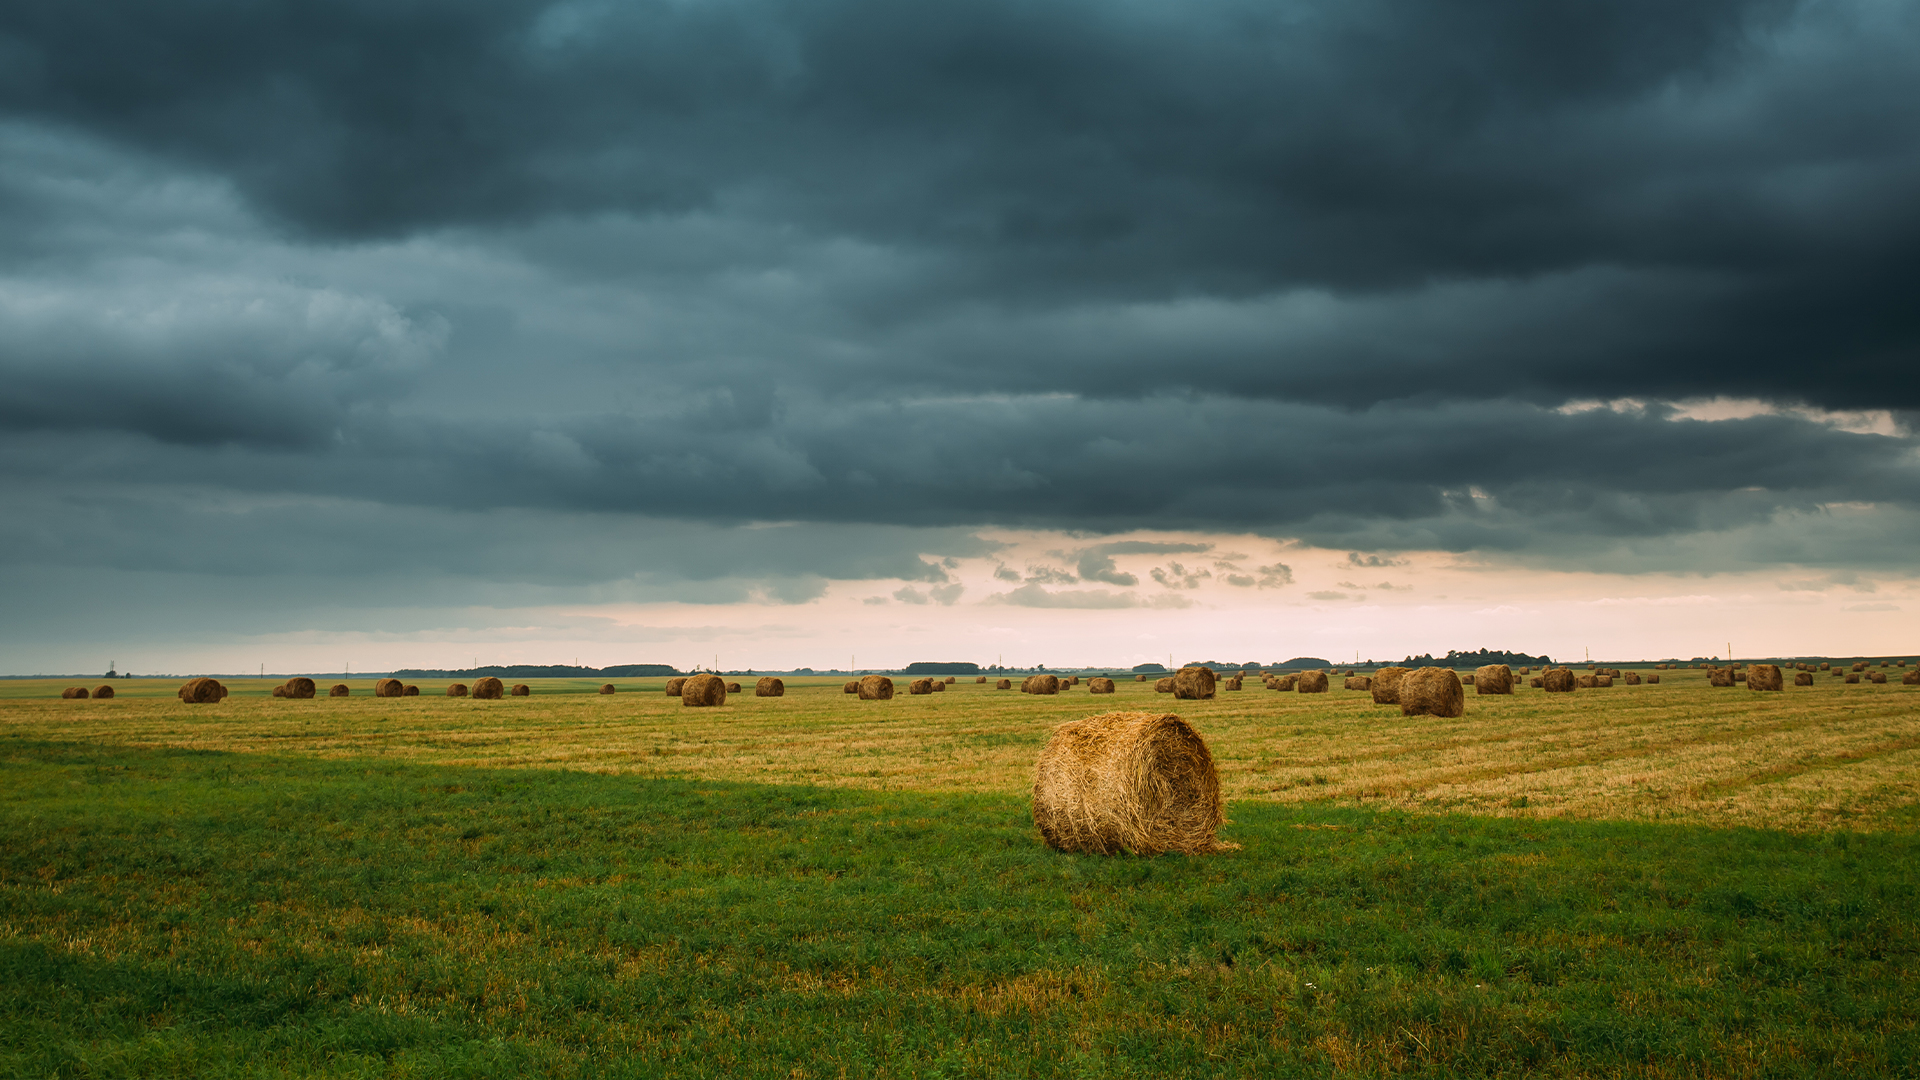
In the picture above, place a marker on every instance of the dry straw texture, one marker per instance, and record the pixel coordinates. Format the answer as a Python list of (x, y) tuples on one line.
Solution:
[(340, 689), (1003, 684), (1432, 691), (459, 689), (1041, 684), (410, 691), (1879, 677), (280, 691), (1633, 678), (920, 686), (851, 686), (521, 689), (1719, 676), (1163, 686), (674, 685), (606, 688), (72, 693), (489, 688), (1358, 682), (939, 687), (875, 688), (768, 686), (1802, 678), (1128, 781), (1284, 682), (1764, 677), (950, 680), (1536, 682), (1558, 680), (1653, 678), (733, 688), (1466, 680), (1603, 680), (1311, 682), (981, 681), (1193, 684), (202, 691), (1100, 685), (1493, 679), (1911, 678), (1139, 678), (704, 691), (388, 688), (1852, 677), (1586, 680), (300, 687), (102, 691)]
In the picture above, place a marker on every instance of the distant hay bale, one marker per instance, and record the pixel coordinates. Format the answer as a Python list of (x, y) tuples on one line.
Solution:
[(733, 688), (1536, 682), (875, 688), (1100, 685), (768, 686), (1466, 680), (1824, 666), (1603, 681), (1231, 684), (1558, 681), (1311, 682), (1652, 679), (300, 687), (458, 689), (1911, 678), (1764, 677), (202, 691), (102, 691), (1193, 684), (1719, 676), (703, 691), (981, 681), (1800, 678), (673, 686), (851, 686), (388, 688), (606, 688), (489, 688), (1358, 682), (73, 693), (1861, 666), (939, 687), (1139, 678), (1284, 682), (1879, 677), (1851, 677), (1003, 684), (1432, 691), (1041, 684), (280, 691), (1585, 679), (520, 689), (950, 680), (1633, 678), (1493, 679), (920, 686), (410, 691), (1128, 782), (339, 689), (1386, 685), (1163, 686)]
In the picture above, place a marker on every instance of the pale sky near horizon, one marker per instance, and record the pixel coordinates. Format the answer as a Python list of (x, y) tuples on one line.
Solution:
[(401, 334)]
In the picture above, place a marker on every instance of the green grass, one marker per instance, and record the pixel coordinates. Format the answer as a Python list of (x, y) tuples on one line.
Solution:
[(174, 912)]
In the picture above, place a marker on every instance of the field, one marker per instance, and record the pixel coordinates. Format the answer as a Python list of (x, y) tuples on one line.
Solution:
[(1651, 880)]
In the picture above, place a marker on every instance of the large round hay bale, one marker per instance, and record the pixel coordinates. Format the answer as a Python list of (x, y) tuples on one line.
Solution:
[(1860, 666), (875, 688), (388, 688), (1911, 678), (606, 688), (1764, 677), (1851, 677), (1536, 682), (102, 691), (339, 689), (768, 686), (1193, 684), (280, 691), (703, 691), (1230, 684), (1493, 679), (1312, 681), (1800, 678), (520, 689), (202, 691), (851, 686), (1100, 685), (1163, 686), (1603, 681), (1879, 677), (1824, 666), (1719, 676), (1385, 686), (1432, 691), (1138, 782), (1284, 682), (920, 686), (410, 691), (1558, 680), (1041, 684), (1357, 682), (300, 687), (73, 693), (673, 686), (1003, 684), (1653, 679), (489, 688), (1586, 680), (458, 689)]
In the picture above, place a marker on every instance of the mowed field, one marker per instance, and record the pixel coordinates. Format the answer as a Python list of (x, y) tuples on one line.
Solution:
[(1668, 880)]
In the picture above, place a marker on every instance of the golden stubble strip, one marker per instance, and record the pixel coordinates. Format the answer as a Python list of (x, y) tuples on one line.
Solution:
[(1807, 758)]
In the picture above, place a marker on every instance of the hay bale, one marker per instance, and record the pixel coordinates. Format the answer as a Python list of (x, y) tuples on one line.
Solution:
[(1719, 676), (606, 688), (1358, 682), (981, 681), (1584, 680), (1284, 682), (1100, 686), (733, 688), (388, 688), (339, 689), (1193, 684), (202, 691), (102, 691), (1466, 680), (1139, 678), (703, 691), (1633, 678), (1558, 681), (939, 687), (949, 680), (1311, 682), (851, 686), (1652, 679), (1852, 677), (768, 686), (1824, 666), (280, 691), (458, 689), (1764, 677), (1861, 666), (1911, 678), (673, 686), (1878, 677), (1603, 681), (1163, 686), (1041, 684), (1003, 684), (1137, 782), (489, 688), (1231, 684), (920, 686), (1432, 691), (520, 689), (1536, 682), (1493, 679), (1386, 685), (1800, 678), (410, 691), (875, 688), (300, 687), (73, 693)]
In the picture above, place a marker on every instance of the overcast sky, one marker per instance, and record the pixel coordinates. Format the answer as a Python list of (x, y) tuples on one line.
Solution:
[(407, 333)]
